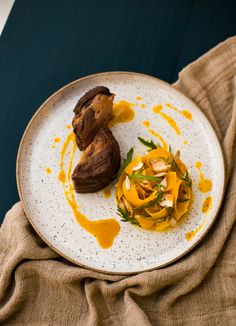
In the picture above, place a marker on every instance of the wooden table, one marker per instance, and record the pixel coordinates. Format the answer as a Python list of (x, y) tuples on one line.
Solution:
[(47, 44)]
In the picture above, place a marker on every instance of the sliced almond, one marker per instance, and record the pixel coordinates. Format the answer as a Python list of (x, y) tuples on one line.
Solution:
[(121, 204), (177, 155), (158, 165), (167, 201), (164, 183), (161, 174), (173, 221), (138, 166), (127, 183), (145, 184), (127, 205)]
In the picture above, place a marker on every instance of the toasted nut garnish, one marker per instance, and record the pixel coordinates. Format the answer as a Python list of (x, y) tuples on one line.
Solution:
[(138, 166), (161, 174), (164, 182), (167, 201), (158, 165), (127, 183), (173, 221), (127, 205), (121, 204), (145, 184), (177, 155)]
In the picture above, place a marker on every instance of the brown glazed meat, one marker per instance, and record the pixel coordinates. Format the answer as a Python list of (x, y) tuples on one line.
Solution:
[(92, 112), (98, 164)]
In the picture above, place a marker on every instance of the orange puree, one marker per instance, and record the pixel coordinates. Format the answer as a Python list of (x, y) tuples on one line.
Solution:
[(104, 230)]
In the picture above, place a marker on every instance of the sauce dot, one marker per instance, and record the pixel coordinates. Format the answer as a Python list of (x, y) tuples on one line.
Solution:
[(185, 142), (157, 108), (106, 193), (143, 106), (198, 165), (62, 176), (207, 204), (68, 127), (205, 185), (187, 114), (146, 123), (138, 98), (48, 170), (56, 140)]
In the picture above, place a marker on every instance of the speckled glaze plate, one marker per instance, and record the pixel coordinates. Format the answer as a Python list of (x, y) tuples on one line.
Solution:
[(134, 249)]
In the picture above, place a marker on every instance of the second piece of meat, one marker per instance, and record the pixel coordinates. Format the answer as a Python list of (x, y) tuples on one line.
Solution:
[(92, 112), (98, 164)]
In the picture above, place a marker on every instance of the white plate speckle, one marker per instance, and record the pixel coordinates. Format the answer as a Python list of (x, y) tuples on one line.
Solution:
[(134, 249)]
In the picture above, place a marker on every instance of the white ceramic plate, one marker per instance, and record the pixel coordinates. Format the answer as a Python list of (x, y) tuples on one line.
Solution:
[(134, 249)]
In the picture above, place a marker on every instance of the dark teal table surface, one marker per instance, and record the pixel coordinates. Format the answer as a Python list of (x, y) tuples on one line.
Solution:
[(46, 44)]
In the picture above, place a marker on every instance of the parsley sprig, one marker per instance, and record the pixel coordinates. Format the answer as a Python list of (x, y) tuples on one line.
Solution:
[(149, 144)]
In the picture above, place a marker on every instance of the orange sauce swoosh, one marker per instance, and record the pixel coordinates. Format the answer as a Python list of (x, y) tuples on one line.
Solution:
[(104, 230)]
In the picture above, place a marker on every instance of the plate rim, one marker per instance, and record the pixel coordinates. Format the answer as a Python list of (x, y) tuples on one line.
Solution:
[(19, 188)]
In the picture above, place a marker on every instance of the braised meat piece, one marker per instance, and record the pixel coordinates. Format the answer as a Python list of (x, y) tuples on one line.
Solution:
[(98, 164), (92, 112)]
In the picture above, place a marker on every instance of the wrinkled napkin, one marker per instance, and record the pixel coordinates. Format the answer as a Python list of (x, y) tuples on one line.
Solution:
[(38, 287)]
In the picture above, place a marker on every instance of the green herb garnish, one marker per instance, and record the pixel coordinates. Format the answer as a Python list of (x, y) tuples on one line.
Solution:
[(185, 176), (169, 211), (153, 202), (149, 144), (126, 161), (187, 179), (170, 149), (140, 177), (126, 217)]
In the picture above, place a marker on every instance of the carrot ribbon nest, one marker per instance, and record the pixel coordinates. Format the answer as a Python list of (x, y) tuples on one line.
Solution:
[(154, 191)]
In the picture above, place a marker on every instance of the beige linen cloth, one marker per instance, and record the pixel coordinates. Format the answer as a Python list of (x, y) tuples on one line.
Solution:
[(37, 287)]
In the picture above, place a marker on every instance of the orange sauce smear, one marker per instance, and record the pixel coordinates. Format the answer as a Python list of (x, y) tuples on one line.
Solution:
[(191, 234), (146, 123), (207, 204), (104, 230), (107, 193), (122, 112), (185, 113), (204, 185), (158, 110)]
